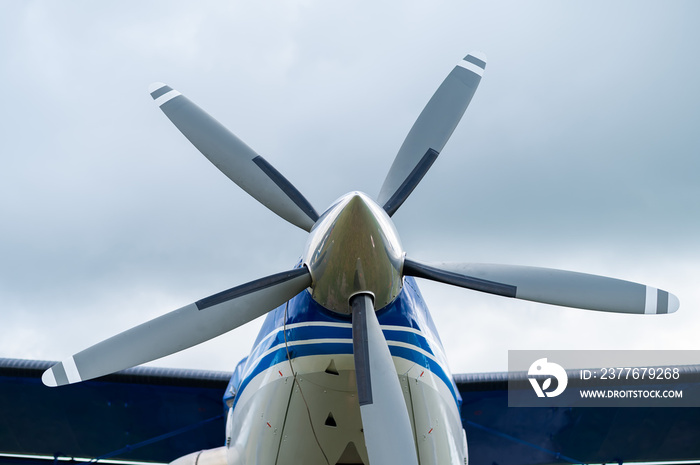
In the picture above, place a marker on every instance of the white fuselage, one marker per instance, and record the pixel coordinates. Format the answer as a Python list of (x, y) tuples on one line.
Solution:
[(296, 412)]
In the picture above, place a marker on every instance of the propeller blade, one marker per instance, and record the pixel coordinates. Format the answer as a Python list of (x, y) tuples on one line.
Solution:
[(180, 329), (387, 427), (234, 158), (431, 131), (550, 286)]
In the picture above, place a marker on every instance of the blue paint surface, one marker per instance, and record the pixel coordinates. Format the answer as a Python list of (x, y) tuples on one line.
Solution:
[(408, 310)]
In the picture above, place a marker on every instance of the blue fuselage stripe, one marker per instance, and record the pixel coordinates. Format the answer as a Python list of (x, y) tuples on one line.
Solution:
[(342, 348), (325, 332), (304, 328)]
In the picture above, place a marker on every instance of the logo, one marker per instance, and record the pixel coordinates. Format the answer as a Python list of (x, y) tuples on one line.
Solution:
[(543, 368)]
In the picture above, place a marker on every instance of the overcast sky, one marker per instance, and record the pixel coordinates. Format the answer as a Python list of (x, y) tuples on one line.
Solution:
[(579, 151)]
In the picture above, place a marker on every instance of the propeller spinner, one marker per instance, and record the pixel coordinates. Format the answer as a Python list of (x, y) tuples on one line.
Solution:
[(354, 248)]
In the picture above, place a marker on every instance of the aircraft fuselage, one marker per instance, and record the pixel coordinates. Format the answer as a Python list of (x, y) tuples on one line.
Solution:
[(294, 398)]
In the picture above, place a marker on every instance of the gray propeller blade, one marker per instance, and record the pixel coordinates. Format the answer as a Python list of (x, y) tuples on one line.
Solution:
[(550, 286), (387, 427), (431, 131), (180, 329), (234, 158)]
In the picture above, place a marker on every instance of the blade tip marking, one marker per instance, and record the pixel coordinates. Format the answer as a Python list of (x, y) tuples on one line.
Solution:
[(469, 66), (71, 370), (479, 55), (673, 303), (48, 378), (477, 59), (168, 96), (650, 306), (155, 86)]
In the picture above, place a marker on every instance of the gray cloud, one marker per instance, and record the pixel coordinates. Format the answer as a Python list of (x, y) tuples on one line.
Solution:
[(579, 151)]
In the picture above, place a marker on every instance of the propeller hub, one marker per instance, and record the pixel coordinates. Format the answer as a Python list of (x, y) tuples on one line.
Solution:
[(354, 248)]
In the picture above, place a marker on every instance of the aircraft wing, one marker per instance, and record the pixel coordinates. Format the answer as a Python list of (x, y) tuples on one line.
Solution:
[(139, 414), (498, 434), (156, 415)]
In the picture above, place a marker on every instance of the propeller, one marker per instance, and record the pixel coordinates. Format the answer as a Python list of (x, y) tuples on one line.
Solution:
[(181, 328), (234, 158), (431, 131), (549, 286)]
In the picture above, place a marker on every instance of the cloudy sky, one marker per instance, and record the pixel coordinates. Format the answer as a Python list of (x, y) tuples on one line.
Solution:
[(579, 151)]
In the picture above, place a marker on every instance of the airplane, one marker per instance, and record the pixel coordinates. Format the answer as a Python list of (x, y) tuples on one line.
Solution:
[(348, 366)]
